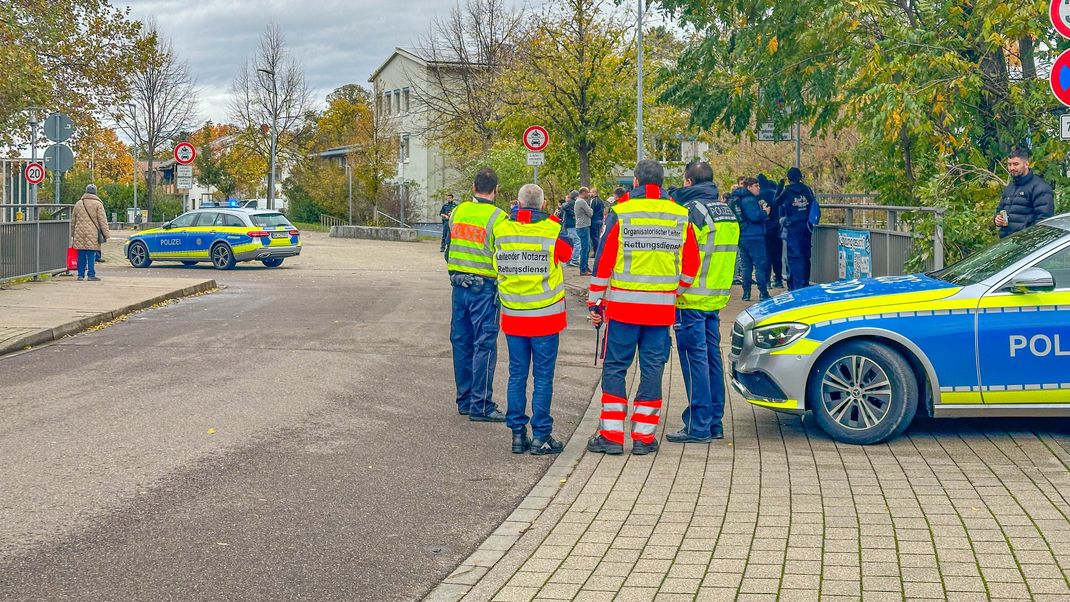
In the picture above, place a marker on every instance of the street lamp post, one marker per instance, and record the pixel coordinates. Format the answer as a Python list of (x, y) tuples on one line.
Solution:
[(274, 135), (349, 177), (133, 145), (639, 87), (404, 190)]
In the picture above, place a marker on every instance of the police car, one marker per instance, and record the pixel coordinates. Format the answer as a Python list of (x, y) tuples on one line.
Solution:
[(222, 236), (988, 336)]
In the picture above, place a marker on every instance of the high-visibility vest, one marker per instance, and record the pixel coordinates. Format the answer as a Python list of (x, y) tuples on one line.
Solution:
[(718, 241), (652, 234), (472, 238), (530, 283)]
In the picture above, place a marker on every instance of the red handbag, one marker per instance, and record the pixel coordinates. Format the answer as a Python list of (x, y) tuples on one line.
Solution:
[(72, 259)]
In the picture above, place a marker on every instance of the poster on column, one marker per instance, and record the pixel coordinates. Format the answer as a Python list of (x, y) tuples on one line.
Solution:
[(853, 248)]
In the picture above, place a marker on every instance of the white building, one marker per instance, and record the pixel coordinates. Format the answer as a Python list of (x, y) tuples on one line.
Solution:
[(421, 164)]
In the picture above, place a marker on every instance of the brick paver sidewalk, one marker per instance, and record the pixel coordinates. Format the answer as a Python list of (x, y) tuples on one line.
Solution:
[(961, 510)]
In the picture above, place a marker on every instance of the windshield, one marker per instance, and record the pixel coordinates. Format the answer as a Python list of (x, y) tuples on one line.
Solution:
[(268, 220), (1000, 256)]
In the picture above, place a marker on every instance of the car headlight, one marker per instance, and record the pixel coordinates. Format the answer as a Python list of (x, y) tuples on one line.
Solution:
[(779, 335)]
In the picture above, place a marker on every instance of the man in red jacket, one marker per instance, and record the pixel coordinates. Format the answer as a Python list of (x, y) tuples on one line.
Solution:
[(647, 254)]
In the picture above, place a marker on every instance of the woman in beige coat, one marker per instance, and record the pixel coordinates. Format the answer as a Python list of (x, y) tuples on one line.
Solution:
[(89, 227)]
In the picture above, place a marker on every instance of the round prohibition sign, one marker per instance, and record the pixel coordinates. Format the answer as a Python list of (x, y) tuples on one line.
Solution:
[(536, 138), (1059, 11), (185, 153), (35, 173), (1060, 78)]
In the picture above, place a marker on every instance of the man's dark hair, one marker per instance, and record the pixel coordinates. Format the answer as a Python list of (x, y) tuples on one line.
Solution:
[(748, 182), (619, 192), (1020, 153), (449, 196), (649, 171), (698, 172), (486, 181)]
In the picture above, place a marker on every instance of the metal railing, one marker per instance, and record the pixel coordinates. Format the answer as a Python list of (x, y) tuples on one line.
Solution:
[(327, 221), (391, 218), (33, 248), (9, 211), (892, 240)]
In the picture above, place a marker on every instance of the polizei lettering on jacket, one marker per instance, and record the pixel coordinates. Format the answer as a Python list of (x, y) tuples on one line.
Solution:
[(651, 238), (523, 263)]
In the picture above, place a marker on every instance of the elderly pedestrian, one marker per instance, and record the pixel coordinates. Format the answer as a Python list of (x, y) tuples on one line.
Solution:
[(89, 228), (1026, 200)]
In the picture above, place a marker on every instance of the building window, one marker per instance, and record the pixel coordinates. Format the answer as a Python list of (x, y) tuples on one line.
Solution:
[(387, 112), (405, 99), (397, 101), (405, 148)]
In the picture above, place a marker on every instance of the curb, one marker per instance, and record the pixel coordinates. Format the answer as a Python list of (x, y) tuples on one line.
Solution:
[(49, 335), (491, 552)]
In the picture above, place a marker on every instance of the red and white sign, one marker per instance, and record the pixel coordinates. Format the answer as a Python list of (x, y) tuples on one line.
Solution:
[(185, 153), (1059, 11), (536, 138), (35, 173), (1060, 78)]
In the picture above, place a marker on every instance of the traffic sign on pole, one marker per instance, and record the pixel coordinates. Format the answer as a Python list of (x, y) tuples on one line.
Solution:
[(1059, 12), (59, 157), (536, 159), (1064, 126), (536, 138), (35, 173), (185, 153), (58, 127), (1060, 78), (183, 171)]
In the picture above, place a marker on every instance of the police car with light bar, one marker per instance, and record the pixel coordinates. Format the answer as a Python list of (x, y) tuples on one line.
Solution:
[(221, 236), (987, 336)]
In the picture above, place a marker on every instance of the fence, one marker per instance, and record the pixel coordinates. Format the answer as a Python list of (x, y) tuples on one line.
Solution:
[(892, 240), (33, 248), (328, 221)]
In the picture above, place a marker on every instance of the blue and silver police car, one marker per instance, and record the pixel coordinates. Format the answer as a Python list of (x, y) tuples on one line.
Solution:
[(222, 236), (987, 336)]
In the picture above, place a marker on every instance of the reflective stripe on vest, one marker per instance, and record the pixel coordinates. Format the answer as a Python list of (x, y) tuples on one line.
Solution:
[(642, 297), (472, 238), (652, 235), (712, 289), (529, 278)]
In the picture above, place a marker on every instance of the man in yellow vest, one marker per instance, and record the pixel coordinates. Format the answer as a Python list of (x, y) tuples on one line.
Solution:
[(648, 253), (529, 249), (474, 325), (698, 327)]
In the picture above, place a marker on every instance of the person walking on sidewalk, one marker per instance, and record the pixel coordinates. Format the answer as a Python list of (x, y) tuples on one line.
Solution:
[(647, 254), (752, 217), (474, 324), (584, 214), (89, 228), (444, 212), (529, 249), (698, 326)]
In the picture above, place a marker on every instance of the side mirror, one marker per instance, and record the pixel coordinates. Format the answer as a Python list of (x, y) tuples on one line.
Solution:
[(1032, 280), (166, 226)]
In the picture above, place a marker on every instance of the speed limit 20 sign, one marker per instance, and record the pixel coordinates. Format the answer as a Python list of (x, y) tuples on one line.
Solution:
[(35, 173), (185, 153)]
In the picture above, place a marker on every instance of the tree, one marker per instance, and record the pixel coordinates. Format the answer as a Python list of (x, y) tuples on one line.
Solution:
[(74, 56), (578, 62), (99, 151), (271, 101), (163, 101)]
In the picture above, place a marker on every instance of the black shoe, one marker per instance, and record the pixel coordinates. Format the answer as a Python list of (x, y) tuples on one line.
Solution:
[(462, 412), (683, 436), (549, 445), (521, 442), (746, 296), (716, 432), (93, 279), (641, 449), (494, 416), (764, 297), (737, 281), (778, 284), (80, 278), (600, 445)]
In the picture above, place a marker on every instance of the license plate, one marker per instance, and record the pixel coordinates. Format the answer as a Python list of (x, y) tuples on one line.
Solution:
[(280, 235)]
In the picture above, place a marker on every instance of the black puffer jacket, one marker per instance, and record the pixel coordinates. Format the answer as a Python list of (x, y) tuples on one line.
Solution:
[(1027, 199)]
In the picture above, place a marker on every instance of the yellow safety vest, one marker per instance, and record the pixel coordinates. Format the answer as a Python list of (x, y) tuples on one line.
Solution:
[(472, 238), (530, 282), (651, 238), (713, 286)]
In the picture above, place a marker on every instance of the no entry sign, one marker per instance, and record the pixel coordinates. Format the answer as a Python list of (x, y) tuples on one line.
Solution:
[(536, 138), (1060, 78), (35, 173), (185, 153)]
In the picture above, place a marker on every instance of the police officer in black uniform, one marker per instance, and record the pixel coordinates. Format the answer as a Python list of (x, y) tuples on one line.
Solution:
[(795, 202), (444, 213)]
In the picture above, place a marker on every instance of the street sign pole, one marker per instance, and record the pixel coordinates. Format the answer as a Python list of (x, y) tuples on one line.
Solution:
[(33, 159), (536, 175)]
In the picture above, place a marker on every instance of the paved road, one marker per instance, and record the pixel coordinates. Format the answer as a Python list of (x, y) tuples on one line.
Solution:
[(292, 436)]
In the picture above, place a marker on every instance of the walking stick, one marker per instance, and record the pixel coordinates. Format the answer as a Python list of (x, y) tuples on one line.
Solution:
[(597, 346)]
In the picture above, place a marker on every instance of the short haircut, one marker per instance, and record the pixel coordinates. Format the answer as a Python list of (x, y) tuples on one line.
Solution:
[(619, 191), (486, 181), (649, 171), (584, 190), (748, 182), (1020, 153), (699, 171), (574, 194), (449, 196), (531, 196)]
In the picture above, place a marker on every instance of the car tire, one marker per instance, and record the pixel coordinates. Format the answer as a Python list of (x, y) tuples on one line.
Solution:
[(138, 255), (273, 262), (863, 393), (222, 256), (189, 263)]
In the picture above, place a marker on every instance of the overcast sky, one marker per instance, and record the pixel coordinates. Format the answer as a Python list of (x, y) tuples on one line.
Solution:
[(336, 41)]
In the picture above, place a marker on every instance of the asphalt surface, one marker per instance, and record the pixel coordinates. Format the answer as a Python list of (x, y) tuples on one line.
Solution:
[(292, 436)]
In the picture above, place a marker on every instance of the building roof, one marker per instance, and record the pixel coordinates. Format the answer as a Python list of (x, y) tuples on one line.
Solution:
[(422, 56)]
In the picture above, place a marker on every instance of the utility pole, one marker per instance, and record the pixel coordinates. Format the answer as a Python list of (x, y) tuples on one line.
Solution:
[(32, 214), (349, 177), (639, 88), (133, 145)]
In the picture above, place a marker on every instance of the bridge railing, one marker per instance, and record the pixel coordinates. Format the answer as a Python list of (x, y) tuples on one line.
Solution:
[(33, 248)]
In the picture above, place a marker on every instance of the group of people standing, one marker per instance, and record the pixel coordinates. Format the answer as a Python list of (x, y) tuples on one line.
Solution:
[(661, 262)]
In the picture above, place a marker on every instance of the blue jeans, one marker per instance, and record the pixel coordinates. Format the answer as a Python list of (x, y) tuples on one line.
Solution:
[(622, 341), (474, 335), (537, 355), (799, 248), (753, 261), (698, 338), (574, 239), (596, 235), (87, 260), (584, 235), (445, 236)]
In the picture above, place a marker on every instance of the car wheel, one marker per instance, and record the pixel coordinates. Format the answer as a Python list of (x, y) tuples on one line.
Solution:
[(138, 254), (273, 262), (863, 393), (189, 263), (222, 257)]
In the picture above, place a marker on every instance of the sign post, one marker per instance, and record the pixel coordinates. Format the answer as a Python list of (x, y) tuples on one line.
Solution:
[(536, 139)]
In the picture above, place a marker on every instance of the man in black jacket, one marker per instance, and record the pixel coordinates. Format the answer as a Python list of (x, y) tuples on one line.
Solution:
[(795, 202), (598, 207), (752, 258), (1026, 200), (774, 245), (444, 212)]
